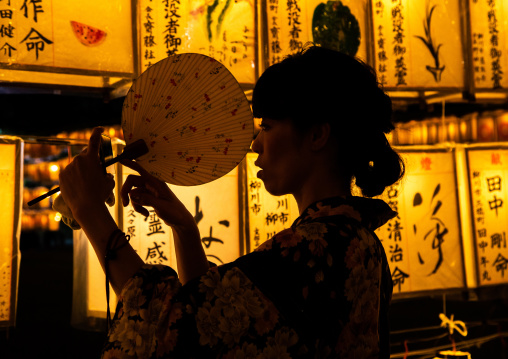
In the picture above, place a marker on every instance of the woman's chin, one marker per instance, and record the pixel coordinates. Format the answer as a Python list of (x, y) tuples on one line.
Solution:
[(273, 191)]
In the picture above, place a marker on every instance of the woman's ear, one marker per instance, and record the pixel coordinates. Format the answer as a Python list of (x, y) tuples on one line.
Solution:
[(320, 134)]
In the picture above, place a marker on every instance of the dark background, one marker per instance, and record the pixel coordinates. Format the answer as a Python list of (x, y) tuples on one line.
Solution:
[(43, 327)]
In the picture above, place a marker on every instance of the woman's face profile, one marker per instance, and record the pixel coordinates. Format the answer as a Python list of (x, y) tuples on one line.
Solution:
[(280, 149)]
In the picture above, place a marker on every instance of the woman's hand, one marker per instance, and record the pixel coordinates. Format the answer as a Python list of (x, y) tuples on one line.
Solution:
[(147, 190), (83, 183)]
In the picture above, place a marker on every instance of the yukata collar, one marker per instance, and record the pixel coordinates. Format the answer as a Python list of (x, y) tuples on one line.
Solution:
[(372, 213)]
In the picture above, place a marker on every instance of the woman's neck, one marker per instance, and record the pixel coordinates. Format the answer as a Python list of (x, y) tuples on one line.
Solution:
[(319, 188)]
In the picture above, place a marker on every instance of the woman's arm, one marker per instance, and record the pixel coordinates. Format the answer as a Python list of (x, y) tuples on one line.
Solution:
[(85, 187), (99, 226)]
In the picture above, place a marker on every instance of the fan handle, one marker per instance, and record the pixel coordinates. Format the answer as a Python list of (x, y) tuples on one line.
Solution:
[(134, 150)]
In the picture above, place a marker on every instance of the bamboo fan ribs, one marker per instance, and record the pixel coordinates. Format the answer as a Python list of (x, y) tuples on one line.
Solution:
[(194, 117)]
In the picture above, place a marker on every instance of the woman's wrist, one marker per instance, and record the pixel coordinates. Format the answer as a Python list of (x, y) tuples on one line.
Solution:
[(88, 215)]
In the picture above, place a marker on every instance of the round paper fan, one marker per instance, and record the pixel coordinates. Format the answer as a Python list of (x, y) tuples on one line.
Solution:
[(193, 116)]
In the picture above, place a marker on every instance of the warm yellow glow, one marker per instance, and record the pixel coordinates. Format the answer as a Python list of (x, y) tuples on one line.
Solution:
[(219, 226), (427, 205), (454, 353), (54, 168), (402, 41), (7, 190), (57, 217), (488, 64), (488, 173), (452, 131), (59, 36), (224, 30), (465, 217)]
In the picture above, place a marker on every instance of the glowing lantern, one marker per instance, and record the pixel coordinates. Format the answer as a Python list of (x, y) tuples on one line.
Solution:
[(11, 189), (411, 50), (216, 209), (489, 26), (423, 243), (224, 30), (502, 126), (486, 129), (341, 25), (67, 43), (487, 185)]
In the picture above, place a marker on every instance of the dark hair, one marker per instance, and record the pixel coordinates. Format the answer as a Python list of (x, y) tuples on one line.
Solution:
[(320, 85)]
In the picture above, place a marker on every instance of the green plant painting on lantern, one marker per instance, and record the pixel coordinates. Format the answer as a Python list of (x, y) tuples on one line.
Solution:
[(435, 70), (335, 27), (214, 14)]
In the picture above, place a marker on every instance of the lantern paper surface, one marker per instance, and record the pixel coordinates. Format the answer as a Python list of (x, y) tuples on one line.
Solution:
[(92, 35), (487, 183), (95, 278), (411, 48), (267, 214), (223, 30), (423, 243), (11, 191), (340, 25), (215, 207), (489, 25)]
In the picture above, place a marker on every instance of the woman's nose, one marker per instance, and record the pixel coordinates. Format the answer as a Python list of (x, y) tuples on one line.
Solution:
[(256, 144)]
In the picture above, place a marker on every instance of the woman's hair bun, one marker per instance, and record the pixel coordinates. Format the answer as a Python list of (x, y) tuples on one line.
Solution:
[(377, 167)]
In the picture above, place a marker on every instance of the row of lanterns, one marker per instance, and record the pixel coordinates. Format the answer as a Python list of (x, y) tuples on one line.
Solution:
[(486, 127)]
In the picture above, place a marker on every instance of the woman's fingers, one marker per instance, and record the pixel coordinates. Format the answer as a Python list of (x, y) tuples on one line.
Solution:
[(131, 182), (153, 184), (140, 209), (136, 167), (94, 143)]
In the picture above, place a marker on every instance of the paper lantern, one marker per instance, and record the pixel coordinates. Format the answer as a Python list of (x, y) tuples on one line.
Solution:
[(423, 243), (341, 25), (67, 43), (486, 128), (489, 26), (224, 30), (502, 126), (11, 190), (216, 209), (411, 50), (487, 175)]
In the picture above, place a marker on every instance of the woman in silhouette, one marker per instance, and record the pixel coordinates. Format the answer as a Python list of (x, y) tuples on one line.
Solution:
[(319, 289)]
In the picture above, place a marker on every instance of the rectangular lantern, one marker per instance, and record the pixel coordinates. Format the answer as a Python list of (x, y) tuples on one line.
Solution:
[(70, 43), (11, 190), (340, 25), (216, 209), (487, 174), (489, 26), (423, 243), (224, 30), (411, 48)]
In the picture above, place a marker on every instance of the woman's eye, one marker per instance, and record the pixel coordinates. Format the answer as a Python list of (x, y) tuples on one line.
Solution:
[(263, 126)]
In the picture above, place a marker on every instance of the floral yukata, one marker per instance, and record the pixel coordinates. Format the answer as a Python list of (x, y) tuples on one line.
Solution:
[(320, 289)]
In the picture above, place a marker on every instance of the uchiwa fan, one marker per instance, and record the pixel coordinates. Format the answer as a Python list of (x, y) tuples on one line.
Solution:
[(194, 117)]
